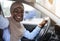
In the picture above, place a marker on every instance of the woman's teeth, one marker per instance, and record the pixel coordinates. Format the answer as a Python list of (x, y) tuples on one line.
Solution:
[(18, 17)]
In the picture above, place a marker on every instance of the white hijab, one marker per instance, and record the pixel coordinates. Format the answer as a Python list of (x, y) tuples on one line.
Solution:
[(3, 22)]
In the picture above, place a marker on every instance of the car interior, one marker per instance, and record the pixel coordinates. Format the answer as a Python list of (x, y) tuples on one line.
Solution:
[(33, 11)]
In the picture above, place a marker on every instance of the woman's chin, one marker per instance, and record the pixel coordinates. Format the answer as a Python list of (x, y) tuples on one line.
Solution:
[(18, 20)]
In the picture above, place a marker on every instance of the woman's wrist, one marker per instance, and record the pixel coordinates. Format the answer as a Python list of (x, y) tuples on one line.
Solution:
[(41, 25)]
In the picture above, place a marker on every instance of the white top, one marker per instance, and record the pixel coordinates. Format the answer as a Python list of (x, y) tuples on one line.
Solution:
[(3, 22), (31, 35)]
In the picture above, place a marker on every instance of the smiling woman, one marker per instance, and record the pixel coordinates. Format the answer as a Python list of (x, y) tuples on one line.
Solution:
[(16, 28), (17, 11)]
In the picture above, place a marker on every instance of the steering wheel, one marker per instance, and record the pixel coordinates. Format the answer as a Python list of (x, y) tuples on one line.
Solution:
[(44, 30)]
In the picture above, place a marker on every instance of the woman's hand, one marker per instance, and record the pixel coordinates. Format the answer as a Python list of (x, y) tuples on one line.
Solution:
[(41, 25)]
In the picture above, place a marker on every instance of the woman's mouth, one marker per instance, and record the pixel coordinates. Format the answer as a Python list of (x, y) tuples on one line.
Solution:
[(19, 17)]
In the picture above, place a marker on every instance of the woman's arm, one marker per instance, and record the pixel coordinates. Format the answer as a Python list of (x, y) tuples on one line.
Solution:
[(31, 35)]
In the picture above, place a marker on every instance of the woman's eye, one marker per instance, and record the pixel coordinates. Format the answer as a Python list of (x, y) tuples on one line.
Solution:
[(16, 10)]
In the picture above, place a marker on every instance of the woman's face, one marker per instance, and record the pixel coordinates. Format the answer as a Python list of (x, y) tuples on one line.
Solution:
[(18, 14)]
